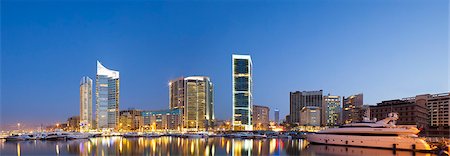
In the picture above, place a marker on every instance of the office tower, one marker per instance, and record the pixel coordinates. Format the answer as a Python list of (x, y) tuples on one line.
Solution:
[(332, 110), (310, 116), (277, 115), (298, 100), (130, 119), (350, 106), (107, 97), (260, 117), (199, 107), (86, 104), (162, 120), (242, 101), (176, 94)]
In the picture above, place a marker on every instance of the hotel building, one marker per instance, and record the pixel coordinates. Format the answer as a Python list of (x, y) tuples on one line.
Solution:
[(260, 117), (332, 110), (242, 89), (107, 97), (350, 108), (298, 100), (310, 116), (162, 120), (130, 119), (86, 104), (438, 108)]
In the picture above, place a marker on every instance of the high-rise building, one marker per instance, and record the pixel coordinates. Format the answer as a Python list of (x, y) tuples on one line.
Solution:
[(86, 104), (176, 94), (242, 101), (260, 117), (130, 119), (277, 115), (350, 107), (310, 116), (298, 100), (107, 97), (331, 110), (199, 106)]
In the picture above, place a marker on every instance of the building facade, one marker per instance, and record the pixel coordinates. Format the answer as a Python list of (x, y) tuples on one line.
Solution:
[(298, 100), (199, 104), (438, 110), (350, 107), (86, 104), (411, 111), (277, 115), (310, 116), (260, 117), (107, 97), (130, 120), (162, 120), (331, 110), (242, 90), (73, 124)]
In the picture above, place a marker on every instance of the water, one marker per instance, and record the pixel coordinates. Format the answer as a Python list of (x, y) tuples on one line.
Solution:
[(184, 146)]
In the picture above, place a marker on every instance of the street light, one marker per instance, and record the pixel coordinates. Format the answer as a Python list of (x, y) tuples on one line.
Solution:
[(18, 126)]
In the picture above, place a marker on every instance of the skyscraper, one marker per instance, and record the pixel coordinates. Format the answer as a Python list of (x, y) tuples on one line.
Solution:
[(277, 115), (350, 107), (242, 102), (107, 97), (298, 100), (85, 104), (332, 110), (199, 106)]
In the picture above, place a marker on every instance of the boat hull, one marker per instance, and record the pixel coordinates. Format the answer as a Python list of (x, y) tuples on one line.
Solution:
[(389, 142)]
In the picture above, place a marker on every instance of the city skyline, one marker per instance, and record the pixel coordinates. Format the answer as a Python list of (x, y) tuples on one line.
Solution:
[(381, 68)]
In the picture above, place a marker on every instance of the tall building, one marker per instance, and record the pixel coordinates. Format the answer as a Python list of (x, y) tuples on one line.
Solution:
[(176, 94), (162, 120), (298, 100), (86, 104), (242, 92), (199, 106), (130, 119), (310, 116), (107, 97), (277, 115), (350, 107), (332, 110), (260, 117)]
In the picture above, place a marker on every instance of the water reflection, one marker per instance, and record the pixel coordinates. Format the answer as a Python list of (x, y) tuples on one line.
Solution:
[(183, 146)]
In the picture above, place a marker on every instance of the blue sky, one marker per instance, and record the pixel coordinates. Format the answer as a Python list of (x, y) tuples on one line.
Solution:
[(385, 49)]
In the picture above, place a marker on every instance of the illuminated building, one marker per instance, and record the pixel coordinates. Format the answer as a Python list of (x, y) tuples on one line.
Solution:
[(107, 97), (298, 100), (168, 119), (199, 106), (350, 104), (130, 119), (438, 108), (242, 90), (73, 124), (86, 104), (260, 117), (310, 116), (332, 110)]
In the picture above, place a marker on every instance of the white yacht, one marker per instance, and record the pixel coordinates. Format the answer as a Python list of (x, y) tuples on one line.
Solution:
[(17, 137), (378, 134)]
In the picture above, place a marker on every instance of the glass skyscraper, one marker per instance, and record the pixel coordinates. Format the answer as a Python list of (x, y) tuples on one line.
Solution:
[(199, 108), (107, 97), (242, 92), (85, 103)]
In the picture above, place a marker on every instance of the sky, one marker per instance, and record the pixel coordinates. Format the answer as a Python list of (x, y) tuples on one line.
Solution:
[(385, 49)]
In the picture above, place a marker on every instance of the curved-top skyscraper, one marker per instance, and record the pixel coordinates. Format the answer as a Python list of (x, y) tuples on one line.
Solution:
[(107, 97)]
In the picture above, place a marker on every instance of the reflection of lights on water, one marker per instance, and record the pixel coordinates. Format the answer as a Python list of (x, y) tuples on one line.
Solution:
[(207, 150), (57, 149), (120, 147), (213, 150), (18, 149), (192, 147), (272, 145), (259, 147), (89, 147), (228, 147)]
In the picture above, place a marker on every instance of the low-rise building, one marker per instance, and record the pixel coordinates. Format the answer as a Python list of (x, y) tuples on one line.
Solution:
[(73, 123), (310, 116), (162, 120), (130, 120)]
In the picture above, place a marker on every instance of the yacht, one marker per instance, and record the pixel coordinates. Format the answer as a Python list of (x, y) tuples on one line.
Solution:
[(378, 134), (132, 135), (17, 137), (78, 135), (56, 136)]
